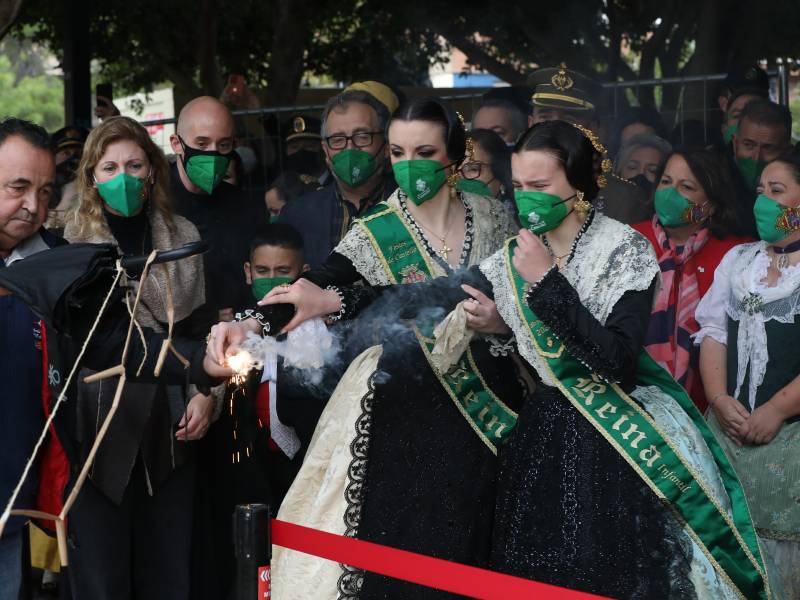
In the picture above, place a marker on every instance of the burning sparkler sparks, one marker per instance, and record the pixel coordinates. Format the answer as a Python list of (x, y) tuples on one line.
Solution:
[(241, 362)]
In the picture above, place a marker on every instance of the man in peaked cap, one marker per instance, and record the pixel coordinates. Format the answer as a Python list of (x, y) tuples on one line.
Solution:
[(566, 95), (67, 145), (742, 80), (303, 153)]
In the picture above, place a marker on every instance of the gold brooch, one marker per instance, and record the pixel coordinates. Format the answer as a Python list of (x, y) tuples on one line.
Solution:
[(299, 124)]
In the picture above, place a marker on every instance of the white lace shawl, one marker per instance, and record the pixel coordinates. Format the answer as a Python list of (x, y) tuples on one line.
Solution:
[(610, 259), (490, 222), (740, 292)]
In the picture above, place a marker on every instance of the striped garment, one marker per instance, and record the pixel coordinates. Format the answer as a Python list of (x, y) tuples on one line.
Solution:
[(672, 322)]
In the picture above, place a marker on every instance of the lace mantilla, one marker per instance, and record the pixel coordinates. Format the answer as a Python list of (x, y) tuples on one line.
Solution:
[(490, 227), (352, 579), (610, 259)]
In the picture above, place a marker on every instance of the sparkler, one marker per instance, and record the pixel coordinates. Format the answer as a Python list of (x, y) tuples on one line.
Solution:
[(241, 362)]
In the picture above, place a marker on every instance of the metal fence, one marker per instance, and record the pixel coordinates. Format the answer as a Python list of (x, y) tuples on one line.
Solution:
[(679, 99)]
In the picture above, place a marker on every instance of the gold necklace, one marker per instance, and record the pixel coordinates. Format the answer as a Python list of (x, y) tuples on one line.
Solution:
[(445, 250), (557, 258)]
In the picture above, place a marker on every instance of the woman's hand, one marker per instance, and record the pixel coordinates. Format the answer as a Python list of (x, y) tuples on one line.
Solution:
[(731, 416), (223, 340), (531, 257), (194, 424), (482, 315), (310, 301), (762, 425)]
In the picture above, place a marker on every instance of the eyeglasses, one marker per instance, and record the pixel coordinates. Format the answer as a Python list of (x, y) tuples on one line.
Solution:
[(472, 170), (360, 139)]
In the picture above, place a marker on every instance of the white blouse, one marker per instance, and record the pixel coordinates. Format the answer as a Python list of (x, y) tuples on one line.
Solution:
[(740, 292)]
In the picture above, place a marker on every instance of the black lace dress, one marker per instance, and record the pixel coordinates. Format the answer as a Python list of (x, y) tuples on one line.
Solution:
[(420, 477), (570, 511)]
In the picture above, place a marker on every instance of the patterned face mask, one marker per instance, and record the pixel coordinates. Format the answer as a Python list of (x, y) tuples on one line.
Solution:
[(775, 221), (674, 209)]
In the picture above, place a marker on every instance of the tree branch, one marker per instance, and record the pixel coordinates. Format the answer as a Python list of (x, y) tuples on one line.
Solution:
[(9, 11), (477, 55)]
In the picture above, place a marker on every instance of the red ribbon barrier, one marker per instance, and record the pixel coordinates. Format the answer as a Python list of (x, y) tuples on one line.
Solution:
[(416, 568)]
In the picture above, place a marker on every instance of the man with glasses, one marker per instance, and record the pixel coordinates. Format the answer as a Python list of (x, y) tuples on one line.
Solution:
[(354, 142)]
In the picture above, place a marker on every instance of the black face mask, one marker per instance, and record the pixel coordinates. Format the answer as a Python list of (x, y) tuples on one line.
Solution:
[(643, 182), (305, 162), (65, 171)]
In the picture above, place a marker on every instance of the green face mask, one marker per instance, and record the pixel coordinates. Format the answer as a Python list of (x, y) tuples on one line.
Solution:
[(124, 193), (420, 179), (273, 218), (204, 168), (354, 166), (727, 135), (675, 210), (474, 186), (775, 221), (264, 285), (751, 170), (540, 212)]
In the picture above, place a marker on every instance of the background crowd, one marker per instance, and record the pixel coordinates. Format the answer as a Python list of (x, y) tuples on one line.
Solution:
[(155, 512)]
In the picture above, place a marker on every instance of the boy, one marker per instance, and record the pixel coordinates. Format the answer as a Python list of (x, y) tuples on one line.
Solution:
[(276, 258)]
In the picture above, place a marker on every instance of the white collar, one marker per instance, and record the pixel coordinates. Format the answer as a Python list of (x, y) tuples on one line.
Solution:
[(26, 248)]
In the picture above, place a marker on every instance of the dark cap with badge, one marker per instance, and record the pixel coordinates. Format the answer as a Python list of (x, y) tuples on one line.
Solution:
[(747, 79), (564, 89), (68, 137), (302, 128)]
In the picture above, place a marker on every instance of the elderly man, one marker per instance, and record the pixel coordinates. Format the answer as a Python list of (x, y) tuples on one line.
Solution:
[(225, 217), (353, 140), (27, 179)]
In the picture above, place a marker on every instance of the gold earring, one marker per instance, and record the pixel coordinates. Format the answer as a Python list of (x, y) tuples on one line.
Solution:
[(452, 179), (581, 206)]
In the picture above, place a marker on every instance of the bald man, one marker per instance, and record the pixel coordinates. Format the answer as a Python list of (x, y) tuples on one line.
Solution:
[(225, 216)]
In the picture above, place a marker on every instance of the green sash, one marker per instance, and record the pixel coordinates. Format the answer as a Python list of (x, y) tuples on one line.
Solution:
[(729, 543), (405, 262)]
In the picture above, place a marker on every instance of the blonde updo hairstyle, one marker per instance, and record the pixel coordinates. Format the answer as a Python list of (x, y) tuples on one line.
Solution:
[(88, 219)]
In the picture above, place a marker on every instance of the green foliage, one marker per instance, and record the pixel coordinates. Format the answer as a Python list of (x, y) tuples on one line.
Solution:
[(197, 43), (27, 89)]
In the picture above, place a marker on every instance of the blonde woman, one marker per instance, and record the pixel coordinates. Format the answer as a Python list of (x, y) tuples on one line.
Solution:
[(132, 521)]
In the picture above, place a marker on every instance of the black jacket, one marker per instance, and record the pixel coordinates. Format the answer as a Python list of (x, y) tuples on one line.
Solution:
[(228, 220), (322, 218)]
